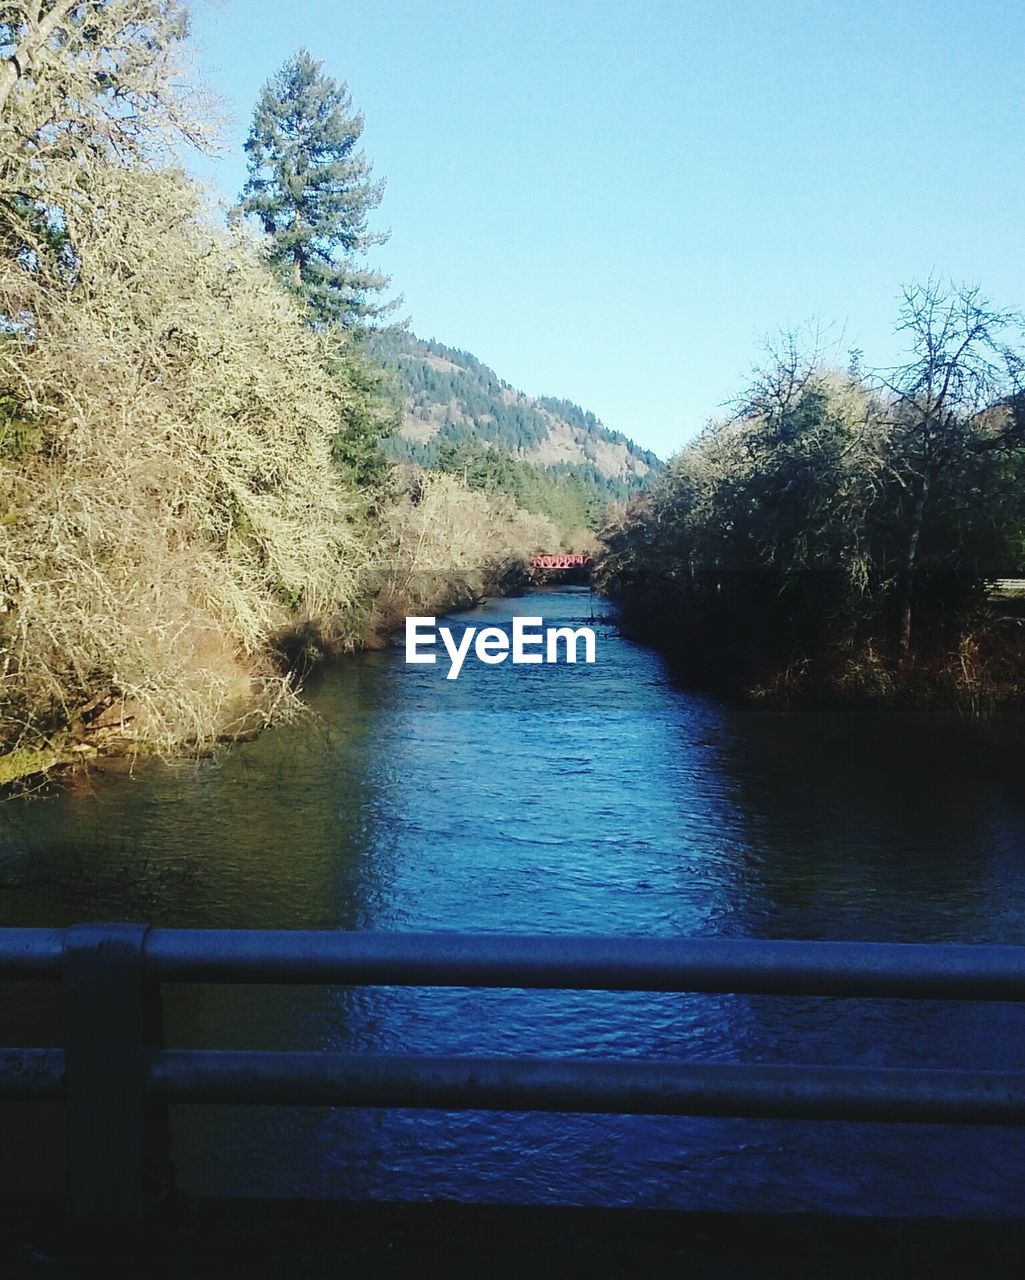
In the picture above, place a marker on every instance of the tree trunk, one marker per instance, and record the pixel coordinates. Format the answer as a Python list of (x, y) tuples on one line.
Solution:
[(910, 567)]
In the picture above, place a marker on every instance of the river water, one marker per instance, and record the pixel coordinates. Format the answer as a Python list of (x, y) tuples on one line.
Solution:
[(598, 799)]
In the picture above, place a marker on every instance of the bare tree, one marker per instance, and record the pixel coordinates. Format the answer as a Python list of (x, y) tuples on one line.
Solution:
[(958, 395)]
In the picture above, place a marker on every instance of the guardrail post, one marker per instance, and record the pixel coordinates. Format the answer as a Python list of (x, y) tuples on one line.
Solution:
[(160, 1175), (105, 1070)]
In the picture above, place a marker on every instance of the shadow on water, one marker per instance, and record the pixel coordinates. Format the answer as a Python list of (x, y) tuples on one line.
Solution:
[(542, 798)]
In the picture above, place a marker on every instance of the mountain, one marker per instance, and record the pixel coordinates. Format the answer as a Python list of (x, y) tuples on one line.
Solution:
[(454, 401)]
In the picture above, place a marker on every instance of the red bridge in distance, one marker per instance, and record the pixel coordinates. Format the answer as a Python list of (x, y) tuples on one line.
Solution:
[(561, 560)]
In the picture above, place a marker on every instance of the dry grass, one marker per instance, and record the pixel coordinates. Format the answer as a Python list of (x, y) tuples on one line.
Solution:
[(444, 545)]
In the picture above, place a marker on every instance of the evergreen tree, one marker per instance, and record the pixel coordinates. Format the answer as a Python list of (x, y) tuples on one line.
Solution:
[(310, 186)]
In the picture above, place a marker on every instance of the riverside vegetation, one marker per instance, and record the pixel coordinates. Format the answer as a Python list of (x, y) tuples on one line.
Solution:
[(193, 497), (839, 533)]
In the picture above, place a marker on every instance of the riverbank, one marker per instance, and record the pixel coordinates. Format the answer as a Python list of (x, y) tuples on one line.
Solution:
[(737, 645), (232, 696), (380, 1241)]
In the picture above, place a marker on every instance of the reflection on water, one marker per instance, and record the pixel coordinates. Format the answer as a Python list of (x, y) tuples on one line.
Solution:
[(535, 798)]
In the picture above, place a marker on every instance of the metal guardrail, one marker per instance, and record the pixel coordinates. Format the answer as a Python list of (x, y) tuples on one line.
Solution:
[(116, 1079)]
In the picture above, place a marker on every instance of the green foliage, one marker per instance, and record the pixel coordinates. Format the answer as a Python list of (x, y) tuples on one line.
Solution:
[(369, 413), (798, 534), (570, 503), (310, 187)]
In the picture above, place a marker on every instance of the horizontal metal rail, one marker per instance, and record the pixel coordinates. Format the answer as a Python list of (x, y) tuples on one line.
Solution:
[(739, 966), (115, 1079), (574, 1085), (31, 953), (939, 971)]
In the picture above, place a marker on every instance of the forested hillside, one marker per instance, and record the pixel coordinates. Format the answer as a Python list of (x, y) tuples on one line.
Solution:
[(452, 399)]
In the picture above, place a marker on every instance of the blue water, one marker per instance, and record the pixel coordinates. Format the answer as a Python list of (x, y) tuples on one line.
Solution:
[(599, 799)]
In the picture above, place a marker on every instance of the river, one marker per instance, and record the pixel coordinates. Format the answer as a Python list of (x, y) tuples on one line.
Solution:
[(599, 799)]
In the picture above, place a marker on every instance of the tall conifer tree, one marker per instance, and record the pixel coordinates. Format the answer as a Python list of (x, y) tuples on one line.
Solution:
[(310, 186)]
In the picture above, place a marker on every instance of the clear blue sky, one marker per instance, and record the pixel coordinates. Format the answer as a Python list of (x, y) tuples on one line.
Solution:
[(615, 202)]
